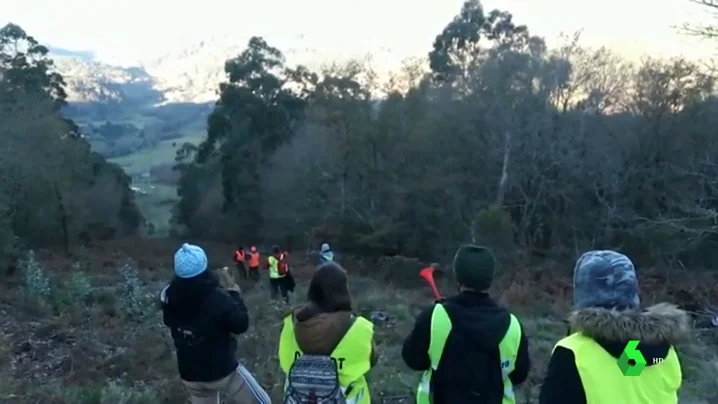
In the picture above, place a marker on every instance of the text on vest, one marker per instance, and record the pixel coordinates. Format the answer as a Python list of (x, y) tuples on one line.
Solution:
[(338, 362)]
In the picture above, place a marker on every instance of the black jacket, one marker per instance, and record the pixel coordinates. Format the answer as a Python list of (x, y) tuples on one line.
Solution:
[(657, 329), (469, 370), (203, 317)]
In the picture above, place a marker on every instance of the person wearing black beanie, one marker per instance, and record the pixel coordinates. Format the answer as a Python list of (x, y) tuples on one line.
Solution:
[(474, 267), (470, 349)]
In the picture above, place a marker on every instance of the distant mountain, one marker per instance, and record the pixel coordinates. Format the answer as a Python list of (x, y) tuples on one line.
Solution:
[(82, 55), (89, 81), (193, 73), (161, 101), (190, 74)]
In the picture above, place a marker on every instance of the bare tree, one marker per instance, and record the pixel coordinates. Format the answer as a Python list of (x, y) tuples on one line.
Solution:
[(704, 30)]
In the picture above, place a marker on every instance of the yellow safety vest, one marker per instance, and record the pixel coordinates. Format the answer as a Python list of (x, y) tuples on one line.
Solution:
[(352, 356), (440, 329), (274, 268), (604, 383)]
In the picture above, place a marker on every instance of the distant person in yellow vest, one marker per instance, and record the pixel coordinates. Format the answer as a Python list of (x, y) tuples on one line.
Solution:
[(279, 280), (323, 336), (584, 366), (470, 349)]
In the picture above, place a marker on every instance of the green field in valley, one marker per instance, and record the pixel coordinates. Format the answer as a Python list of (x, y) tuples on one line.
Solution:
[(160, 154), (155, 198)]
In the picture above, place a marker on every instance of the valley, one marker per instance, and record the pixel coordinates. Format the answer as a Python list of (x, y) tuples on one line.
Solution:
[(138, 121), (137, 116)]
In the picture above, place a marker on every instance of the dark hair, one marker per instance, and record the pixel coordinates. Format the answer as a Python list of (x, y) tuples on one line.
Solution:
[(329, 289), (275, 249), (240, 248)]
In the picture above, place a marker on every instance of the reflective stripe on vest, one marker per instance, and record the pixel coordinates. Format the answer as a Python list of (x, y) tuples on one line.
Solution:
[(441, 327), (604, 383), (274, 268), (352, 356), (509, 349)]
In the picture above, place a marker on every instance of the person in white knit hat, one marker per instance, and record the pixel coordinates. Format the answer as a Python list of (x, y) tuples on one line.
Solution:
[(325, 255), (203, 318)]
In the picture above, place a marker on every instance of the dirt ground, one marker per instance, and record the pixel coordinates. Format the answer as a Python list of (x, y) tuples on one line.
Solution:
[(96, 351)]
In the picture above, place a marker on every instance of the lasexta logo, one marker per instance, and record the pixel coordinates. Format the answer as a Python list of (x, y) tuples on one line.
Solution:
[(632, 361)]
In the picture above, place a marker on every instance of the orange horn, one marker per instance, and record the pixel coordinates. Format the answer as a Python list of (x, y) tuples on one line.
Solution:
[(428, 275)]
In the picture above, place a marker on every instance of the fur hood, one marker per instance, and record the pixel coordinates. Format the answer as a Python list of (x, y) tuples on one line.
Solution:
[(663, 323)]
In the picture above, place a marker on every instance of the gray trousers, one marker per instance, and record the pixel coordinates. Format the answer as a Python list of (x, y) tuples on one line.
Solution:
[(240, 387)]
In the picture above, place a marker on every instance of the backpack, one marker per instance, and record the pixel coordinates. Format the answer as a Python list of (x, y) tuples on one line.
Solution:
[(282, 267), (314, 379)]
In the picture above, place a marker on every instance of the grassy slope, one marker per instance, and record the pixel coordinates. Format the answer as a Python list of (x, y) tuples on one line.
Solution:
[(94, 354), (156, 205)]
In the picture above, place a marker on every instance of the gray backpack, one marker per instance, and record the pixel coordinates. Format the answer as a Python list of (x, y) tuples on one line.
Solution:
[(314, 379)]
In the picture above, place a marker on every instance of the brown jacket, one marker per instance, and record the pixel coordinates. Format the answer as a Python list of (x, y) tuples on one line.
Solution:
[(319, 333)]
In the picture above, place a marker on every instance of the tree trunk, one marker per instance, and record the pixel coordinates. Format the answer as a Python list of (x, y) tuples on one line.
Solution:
[(63, 219), (503, 182)]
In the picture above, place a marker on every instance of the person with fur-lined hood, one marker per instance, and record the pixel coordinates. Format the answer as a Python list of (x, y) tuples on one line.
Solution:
[(584, 365)]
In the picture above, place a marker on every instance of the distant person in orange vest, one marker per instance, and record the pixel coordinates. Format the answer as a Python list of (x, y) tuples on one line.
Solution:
[(239, 261), (254, 263)]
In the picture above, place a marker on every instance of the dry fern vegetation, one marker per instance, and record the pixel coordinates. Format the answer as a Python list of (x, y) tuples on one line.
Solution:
[(85, 337)]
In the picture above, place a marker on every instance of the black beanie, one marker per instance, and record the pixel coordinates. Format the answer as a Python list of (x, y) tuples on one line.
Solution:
[(474, 267)]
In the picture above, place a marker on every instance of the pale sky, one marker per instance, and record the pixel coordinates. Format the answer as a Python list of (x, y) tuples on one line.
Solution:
[(138, 28)]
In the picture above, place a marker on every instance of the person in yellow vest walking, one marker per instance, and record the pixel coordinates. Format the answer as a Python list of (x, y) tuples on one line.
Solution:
[(589, 365), (279, 280), (470, 349), (325, 350)]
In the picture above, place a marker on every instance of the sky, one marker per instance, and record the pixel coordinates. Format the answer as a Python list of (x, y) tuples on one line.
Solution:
[(393, 29)]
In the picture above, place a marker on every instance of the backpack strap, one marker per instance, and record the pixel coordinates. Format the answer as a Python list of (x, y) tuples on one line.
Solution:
[(341, 335)]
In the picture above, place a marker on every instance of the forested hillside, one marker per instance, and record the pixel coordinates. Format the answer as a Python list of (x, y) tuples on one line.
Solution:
[(494, 139), (54, 189)]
